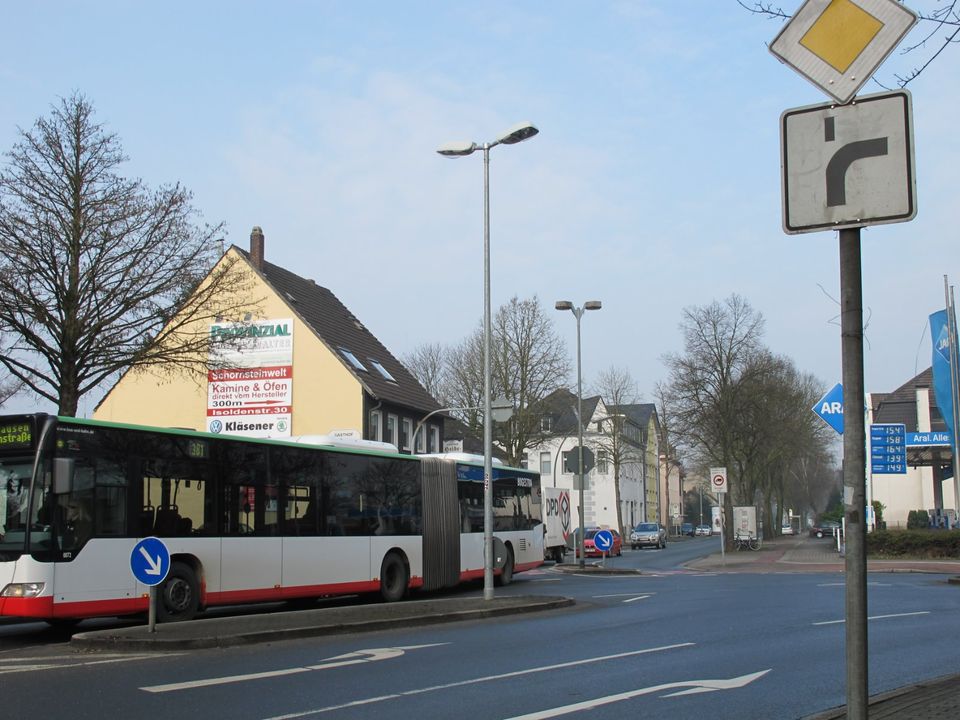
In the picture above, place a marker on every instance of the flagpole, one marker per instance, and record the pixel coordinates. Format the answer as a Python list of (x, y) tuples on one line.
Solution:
[(954, 355)]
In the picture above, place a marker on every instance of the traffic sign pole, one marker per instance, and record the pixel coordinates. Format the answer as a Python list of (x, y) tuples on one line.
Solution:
[(854, 472)]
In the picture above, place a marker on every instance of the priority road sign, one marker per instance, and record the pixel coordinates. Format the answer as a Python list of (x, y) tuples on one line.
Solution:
[(838, 44), (849, 165), (150, 561)]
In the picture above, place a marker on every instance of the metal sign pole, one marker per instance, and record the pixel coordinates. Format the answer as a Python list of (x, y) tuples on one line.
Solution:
[(854, 472), (152, 612)]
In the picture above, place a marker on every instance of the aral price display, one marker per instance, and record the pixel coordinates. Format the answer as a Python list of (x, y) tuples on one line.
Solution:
[(888, 448)]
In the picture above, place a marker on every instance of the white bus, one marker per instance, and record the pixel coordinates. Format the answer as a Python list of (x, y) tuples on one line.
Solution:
[(245, 520)]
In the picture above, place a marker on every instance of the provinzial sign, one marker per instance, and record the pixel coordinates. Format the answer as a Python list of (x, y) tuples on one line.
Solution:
[(250, 378)]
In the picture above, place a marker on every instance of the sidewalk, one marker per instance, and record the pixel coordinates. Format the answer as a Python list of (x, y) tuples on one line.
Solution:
[(805, 554)]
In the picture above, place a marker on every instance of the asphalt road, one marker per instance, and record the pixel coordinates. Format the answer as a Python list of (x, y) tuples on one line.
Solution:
[(667, 643)]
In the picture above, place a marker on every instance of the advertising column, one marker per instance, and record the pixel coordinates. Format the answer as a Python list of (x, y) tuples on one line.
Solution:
[(250, 378)]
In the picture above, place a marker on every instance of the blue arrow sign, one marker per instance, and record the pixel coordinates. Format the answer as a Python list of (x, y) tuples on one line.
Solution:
[(829, 408), (603, 540), (150, 561)]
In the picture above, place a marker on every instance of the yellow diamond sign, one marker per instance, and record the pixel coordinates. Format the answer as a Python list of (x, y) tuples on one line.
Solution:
[(838, 44)]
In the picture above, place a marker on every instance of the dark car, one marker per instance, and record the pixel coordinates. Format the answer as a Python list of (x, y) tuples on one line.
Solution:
[(648, 534), (591, 550), (825, 528), (687, 529)]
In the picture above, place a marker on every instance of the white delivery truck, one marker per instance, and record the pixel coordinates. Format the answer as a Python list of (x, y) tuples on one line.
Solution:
[(556, 522)]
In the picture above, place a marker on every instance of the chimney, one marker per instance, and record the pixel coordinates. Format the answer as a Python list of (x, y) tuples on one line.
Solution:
[(256, 247)]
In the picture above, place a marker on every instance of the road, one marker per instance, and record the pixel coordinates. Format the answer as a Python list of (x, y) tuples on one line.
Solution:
[(667, 643)]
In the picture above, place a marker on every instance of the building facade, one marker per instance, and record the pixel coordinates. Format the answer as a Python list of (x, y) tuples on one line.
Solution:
[(299, 364)]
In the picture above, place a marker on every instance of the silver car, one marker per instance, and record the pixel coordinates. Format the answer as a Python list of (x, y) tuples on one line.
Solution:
[(648, 534)]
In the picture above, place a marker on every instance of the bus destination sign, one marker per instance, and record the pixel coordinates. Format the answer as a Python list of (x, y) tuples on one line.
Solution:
[(16, 436)]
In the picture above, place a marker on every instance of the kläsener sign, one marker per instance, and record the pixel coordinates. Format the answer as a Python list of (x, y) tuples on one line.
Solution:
[(250, 378)]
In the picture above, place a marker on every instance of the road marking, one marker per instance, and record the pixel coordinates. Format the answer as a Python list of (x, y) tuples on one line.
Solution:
[(843, 584), (633, 594), (876, 617), (44, 663), (353, 658), (475, 681), (638, 597), (693, 687)]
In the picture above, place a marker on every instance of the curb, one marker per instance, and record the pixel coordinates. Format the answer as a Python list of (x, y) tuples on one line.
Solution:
[(570, 569), (127, 641)]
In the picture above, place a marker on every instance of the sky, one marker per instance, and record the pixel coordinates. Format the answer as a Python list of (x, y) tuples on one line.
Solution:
[(653, 186)]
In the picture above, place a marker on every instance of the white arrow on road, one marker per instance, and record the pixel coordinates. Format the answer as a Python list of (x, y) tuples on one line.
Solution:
[(154, 568), (353, 658), (692, 687)]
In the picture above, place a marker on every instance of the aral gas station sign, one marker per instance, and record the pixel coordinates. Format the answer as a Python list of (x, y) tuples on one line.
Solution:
[(250, 378)]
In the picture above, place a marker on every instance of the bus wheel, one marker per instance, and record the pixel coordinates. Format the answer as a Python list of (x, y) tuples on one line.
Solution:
[(506, 573), (179, 595), (393, 578)]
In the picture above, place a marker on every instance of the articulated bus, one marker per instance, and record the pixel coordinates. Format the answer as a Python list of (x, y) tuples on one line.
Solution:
[(245, 520)]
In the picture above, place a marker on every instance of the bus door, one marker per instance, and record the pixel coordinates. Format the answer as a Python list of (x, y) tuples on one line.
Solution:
[(251, 551)]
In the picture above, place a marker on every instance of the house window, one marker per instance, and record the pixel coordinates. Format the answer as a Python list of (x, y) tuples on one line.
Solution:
[(525, 461), (434, 439), (352, 359), (421, 439), (375, 431), (406, 434), (382, 370), (601, 462), (545, 463), (392, 430), (545, 424)]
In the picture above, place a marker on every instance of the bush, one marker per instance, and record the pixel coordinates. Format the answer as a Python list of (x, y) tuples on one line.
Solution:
[(926, 544), (918, 519)]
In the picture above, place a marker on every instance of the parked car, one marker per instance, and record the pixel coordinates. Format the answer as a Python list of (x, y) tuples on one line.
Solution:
[(825, 528), (648, 535), (786, 529), (591, 550), (687, 529), (703, 531)]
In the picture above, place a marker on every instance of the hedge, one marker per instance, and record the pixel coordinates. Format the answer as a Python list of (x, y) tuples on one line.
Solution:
[(914, 543)]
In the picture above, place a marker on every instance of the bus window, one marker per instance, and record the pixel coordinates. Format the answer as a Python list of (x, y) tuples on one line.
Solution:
[(299, 473), (250, 496)]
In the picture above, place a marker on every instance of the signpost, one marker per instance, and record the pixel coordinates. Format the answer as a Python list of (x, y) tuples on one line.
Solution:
[(718, 481), (150, 563), (603, 541), (847, 167), (829, 408)]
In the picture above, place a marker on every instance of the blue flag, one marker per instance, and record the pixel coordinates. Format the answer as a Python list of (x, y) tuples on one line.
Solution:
[(941, 366)]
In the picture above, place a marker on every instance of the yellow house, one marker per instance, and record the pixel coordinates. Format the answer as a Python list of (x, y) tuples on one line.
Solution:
[(304, 366)]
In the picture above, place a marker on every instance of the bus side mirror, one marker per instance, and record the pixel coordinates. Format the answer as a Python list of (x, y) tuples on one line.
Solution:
[(63, 475)]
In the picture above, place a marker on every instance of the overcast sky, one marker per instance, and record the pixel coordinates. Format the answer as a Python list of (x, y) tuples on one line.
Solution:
[(654, 183)]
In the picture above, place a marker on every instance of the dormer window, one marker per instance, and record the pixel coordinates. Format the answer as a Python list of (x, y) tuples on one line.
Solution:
[(546, 423), (352, 359), (382, 370)]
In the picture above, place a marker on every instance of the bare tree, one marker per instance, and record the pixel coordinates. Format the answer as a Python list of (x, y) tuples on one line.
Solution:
[(529, 361), (939, 28), (618, 390), (98, 274), (428, 363), (670, 454), (8, 390)]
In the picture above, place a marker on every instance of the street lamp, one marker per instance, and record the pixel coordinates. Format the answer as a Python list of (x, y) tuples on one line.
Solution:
[(518, 133), (578, 313)]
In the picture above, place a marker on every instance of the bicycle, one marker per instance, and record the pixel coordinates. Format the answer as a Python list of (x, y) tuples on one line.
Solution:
[(747, 541)]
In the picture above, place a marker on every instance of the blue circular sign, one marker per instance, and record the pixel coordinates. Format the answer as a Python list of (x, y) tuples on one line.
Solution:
[(603, 540), (150, 561)]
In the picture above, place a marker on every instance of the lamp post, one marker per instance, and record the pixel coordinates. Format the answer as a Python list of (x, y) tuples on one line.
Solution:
[(578, 313), (518, 133)]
